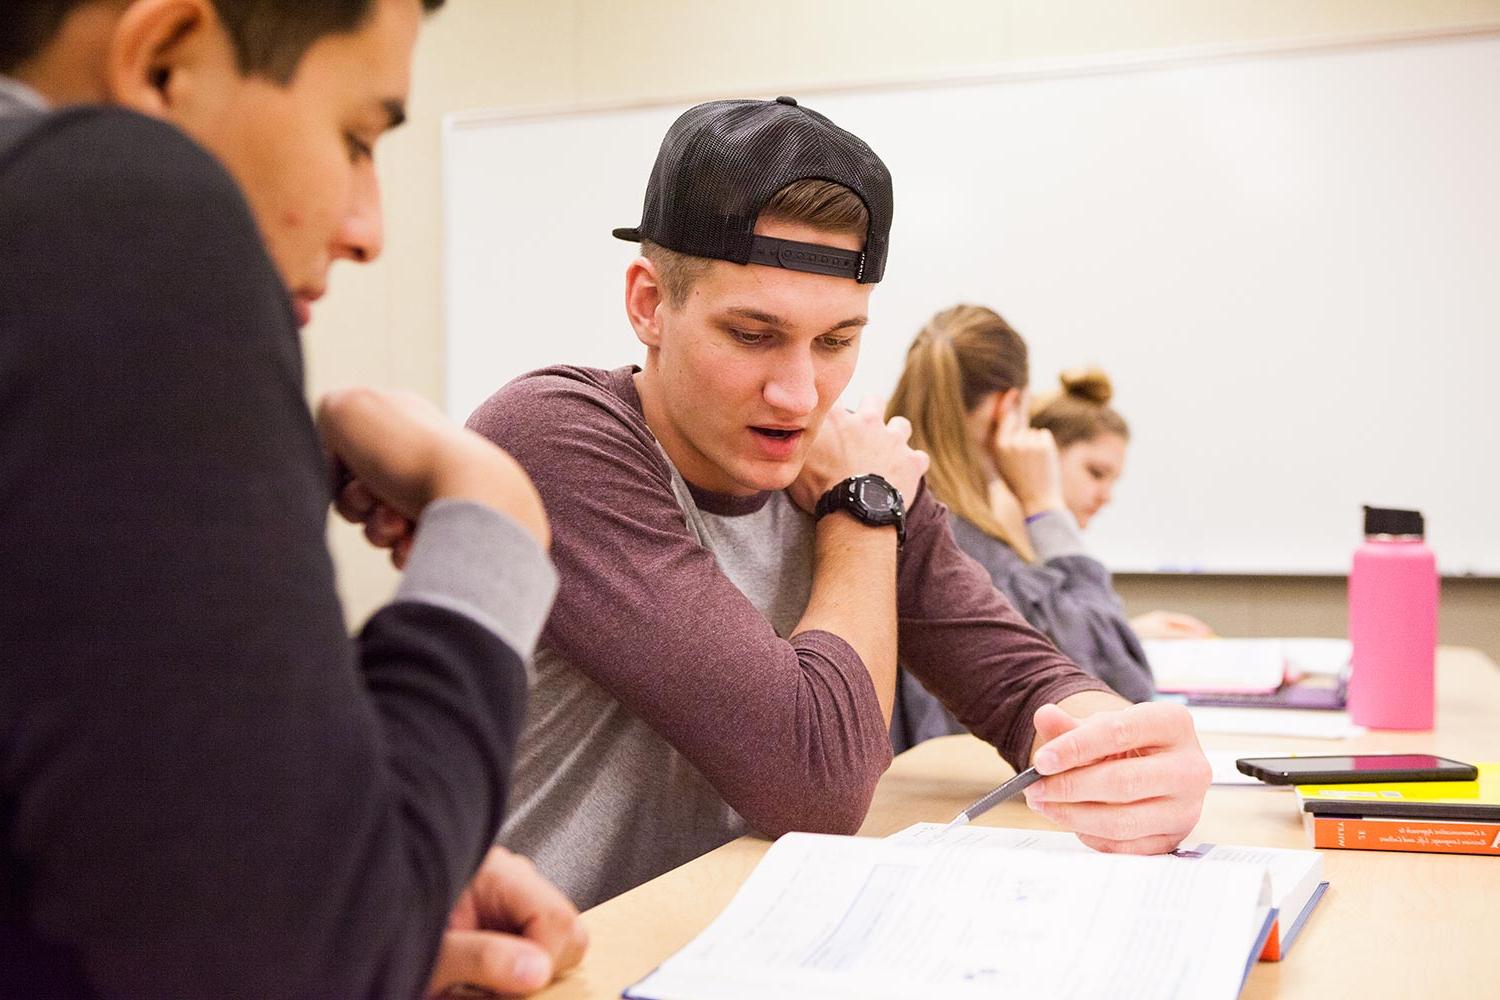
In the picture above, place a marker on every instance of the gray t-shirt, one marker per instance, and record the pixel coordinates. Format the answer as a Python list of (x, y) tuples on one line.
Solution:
[(602, 803)]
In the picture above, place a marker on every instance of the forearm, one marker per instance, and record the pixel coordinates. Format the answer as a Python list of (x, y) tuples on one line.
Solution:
[(407, 456), (854, 597), (968, 645)]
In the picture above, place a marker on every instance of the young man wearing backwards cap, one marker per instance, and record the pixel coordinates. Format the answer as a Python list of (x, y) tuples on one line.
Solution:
[(740, 561)]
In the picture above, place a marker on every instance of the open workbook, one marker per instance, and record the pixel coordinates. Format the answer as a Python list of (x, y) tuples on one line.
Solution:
[(1297, 882), (927, 915)]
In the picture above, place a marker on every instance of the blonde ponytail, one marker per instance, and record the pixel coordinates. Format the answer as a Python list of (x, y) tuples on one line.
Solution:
[(961, 356)]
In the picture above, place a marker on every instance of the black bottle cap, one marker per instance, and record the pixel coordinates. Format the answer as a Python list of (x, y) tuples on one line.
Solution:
[(1390, 521)]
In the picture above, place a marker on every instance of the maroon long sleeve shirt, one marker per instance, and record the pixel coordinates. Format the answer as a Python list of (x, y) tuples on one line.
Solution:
[(673, 707)]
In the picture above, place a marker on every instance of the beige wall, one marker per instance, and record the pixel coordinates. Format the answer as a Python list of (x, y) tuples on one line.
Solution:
[(383, 324), (1469, 610)]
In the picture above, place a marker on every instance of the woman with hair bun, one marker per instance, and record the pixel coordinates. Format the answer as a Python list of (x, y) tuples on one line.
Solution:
[(964, 391), (1091, 437)]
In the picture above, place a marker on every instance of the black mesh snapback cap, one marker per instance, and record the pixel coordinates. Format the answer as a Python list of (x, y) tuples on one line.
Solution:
[(722, 161)]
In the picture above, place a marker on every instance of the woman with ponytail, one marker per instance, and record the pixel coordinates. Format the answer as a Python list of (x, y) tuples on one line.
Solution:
[(964, 391), (1091, 437)]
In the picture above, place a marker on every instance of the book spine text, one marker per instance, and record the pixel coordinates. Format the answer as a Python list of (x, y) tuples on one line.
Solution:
[(1389, 834)]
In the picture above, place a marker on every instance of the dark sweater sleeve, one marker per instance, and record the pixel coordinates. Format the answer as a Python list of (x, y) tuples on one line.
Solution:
[(1067, 595), (209, 789), (788, 730)]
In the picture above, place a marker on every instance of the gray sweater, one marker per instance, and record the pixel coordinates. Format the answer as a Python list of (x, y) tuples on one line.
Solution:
[(1066, 594)]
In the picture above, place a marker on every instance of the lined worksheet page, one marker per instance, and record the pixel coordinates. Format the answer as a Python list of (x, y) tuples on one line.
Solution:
[(989, 836), (859, 918), (1293, 874)]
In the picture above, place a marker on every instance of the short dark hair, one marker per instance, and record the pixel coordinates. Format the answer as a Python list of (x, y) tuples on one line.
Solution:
[(270, 36)]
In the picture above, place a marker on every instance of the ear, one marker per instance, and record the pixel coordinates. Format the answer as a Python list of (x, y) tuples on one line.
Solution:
[(167, 57), (1007, 402), (644, 298)]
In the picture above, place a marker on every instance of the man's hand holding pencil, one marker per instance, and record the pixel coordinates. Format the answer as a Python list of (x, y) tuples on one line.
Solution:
[(1126, 781)]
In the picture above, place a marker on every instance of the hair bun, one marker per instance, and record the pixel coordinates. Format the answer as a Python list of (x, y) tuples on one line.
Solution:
[(1090, 384)]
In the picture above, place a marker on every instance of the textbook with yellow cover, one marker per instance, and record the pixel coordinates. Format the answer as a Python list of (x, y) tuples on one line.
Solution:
[(1477, 801), (1434, 817)]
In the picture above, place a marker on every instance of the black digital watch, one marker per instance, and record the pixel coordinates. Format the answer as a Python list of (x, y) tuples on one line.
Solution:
[(870, 499)]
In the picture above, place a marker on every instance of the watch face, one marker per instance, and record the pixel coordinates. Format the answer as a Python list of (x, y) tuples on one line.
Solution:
[(877, 497)]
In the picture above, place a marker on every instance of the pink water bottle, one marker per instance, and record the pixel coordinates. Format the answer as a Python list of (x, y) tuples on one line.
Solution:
[(1393, 595)]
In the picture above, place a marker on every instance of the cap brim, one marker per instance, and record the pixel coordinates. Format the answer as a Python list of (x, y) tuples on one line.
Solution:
[(632, 234)]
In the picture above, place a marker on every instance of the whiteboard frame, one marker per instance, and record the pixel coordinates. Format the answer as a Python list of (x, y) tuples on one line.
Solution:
[(454, 123), (1008, 72)]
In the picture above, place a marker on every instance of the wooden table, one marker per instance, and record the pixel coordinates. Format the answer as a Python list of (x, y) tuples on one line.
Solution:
[(1391, 924)]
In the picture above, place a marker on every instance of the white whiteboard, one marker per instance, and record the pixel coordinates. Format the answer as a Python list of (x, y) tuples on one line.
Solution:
[(1290, 264)]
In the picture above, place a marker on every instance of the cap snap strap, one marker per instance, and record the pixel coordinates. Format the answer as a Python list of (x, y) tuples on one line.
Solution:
[(812, 257)]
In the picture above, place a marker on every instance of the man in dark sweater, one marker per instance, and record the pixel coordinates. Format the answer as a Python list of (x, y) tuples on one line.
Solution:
[(206, 787)]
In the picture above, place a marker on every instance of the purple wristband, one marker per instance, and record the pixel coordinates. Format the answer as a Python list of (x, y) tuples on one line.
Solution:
[(1038, 515)]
